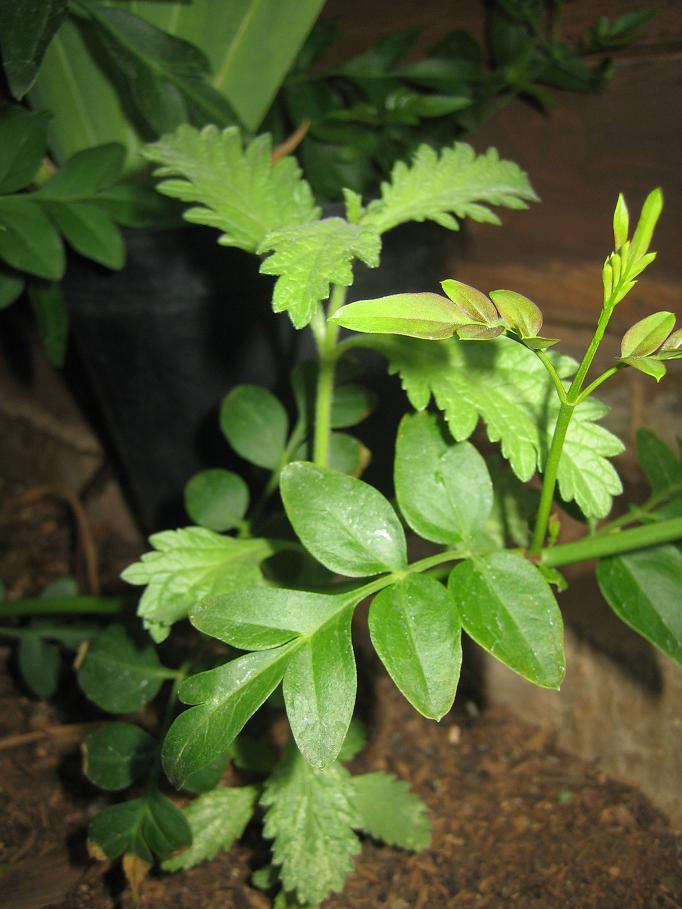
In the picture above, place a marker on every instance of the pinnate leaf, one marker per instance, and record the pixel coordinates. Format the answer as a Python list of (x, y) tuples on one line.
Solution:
[(224, 698), (346, 524), (508, 608), (644, 589), (415, 629), (388, 811), (504, 384), (519, 314), (22, 145), (26, 29), (448, 185), (309, 816), (310, 257), (187, 565), (116, 755), (216, 819), (237, 189), (28, 239), (647, 335)]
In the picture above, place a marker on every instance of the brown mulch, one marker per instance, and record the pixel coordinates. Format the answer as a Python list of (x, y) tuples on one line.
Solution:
[(516, 822)]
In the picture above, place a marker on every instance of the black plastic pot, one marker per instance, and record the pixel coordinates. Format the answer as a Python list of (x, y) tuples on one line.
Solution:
[(165, 339)]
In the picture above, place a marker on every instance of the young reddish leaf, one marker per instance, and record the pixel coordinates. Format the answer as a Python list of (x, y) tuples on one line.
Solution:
[(647, 335), (518, 313)]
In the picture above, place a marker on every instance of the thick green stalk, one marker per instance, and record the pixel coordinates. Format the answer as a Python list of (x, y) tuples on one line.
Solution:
[(550, 478), (586, 362), (325, 381), (66, 606), (597, 547)]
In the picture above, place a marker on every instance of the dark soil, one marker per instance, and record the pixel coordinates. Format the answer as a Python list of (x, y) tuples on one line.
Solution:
[(516, 823)]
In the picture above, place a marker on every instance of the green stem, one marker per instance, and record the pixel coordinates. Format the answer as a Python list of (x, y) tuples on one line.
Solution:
[(590, 353), (613, 544), (554, 375), (325, 380), (66, 606), (593, 386), (639, 514), (550, 478)]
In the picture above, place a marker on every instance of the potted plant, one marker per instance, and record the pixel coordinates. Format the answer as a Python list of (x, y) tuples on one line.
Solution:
[(279, 582), (110, 78)]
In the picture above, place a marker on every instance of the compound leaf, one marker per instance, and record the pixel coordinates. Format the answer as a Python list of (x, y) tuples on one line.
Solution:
[(310, 257), (238, 190), (346, 524), (26, 29), (644, 589), (145, 827), (225, 698), (187, 565), (216, 819), (504, 384), (22, 144), (443, 187), (28, 239), (84, 174), (661, 466), (508, 608), (310, 816), (388, 811), (117, 754), (415, 630)]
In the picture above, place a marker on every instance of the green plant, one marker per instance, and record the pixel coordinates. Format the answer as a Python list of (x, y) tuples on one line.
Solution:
[(101, 79), (272, 593)]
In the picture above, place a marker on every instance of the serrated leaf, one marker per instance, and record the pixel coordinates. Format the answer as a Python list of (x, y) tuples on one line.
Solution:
[(446, 186), (116, 755), (346, 524), (216, 820), (52, 319), (418, 315), (434, 479), (216, 499), (224, 698), (120, 670), (38, 663), (519, 314), (265, 617), (505, 384), (388, 811), (319, 691), (189, 564), (415, 630), (661, 466), (26, 29), (507, 607), (238, 190), (514, 504), (28, 239), (310, 257), (644, 589), (309, 815), (255, 424), (22, 145), (647, 335), (145, 827)]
